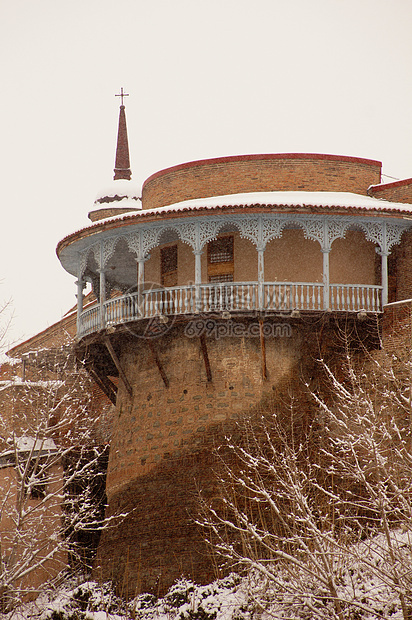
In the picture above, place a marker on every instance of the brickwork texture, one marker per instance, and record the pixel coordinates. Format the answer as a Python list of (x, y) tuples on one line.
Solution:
[(260, 173), (163, 449)]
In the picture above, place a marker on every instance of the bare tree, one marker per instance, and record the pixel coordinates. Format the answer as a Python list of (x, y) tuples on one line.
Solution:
[(321, 522), (367, 453), (52, 472)]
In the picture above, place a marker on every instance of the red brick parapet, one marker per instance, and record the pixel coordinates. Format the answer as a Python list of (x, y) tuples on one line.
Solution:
[(398, 191), (260, 173)]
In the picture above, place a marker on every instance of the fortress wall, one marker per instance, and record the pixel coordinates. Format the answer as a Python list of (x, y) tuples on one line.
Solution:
[(162, 450), (397, 328), (163, 421), (46, 521), (260, 173)]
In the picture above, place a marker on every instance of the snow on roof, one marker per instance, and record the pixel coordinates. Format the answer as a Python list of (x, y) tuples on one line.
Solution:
[(357, 203), (19, 382), (285, 199), (120, 190), (29, 444), (25, 443)]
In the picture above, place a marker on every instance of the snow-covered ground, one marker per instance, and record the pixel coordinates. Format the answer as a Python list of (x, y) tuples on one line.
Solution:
[(363, 578), (231, 598), (223, 599)]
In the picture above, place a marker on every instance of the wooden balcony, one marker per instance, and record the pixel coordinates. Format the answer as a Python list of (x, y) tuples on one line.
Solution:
[(230, 297)]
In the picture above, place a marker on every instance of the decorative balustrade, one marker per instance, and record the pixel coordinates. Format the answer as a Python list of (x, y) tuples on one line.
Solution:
[(355, 297), (89, 321), (231, 297), (218, 297), (293, 296), (174, 300)]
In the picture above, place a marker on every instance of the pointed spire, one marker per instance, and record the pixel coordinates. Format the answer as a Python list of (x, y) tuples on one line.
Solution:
[(122, 164)]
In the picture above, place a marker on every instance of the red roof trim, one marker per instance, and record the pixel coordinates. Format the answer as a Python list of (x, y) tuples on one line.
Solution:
[(378, 188), (189, 211), (259, 157)]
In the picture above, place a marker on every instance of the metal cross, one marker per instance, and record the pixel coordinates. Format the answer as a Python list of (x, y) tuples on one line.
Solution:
[(122, 94)]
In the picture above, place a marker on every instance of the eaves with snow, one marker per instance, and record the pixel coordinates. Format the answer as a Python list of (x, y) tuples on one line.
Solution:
[(281, 200), (296, 201)]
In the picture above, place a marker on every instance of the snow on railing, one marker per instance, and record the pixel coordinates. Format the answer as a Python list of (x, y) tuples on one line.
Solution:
[(229, 296)]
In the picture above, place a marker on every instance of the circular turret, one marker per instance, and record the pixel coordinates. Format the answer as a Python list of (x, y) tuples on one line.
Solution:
[(210, 299)]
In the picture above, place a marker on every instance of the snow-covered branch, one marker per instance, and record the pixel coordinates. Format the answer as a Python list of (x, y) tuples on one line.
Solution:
[(318, 516), (52, 474)]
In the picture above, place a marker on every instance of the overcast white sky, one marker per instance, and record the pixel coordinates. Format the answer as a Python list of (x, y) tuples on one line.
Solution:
[(206, 79)]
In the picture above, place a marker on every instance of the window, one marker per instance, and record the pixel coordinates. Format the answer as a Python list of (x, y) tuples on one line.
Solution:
[(221, 250), (223, 277), (220, 259), (168, 266)]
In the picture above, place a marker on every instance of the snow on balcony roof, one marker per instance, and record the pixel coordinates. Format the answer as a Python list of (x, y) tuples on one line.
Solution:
[(353, 203), (19, 382), (284, 199)]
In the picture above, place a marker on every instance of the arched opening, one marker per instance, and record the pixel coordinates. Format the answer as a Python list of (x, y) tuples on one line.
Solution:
[(353, 259), (355, 274), (293, 258)]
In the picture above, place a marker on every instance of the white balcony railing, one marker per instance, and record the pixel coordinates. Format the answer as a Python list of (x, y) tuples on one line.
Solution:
[(229, 296), (355, 297)]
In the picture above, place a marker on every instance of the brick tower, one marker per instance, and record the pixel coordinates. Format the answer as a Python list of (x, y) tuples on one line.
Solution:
[(215, 287)]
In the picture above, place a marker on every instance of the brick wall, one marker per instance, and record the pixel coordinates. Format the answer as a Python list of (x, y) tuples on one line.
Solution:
[(399, 191), (260, 173), (162, 421), (397, 328), (400, 269), (163, 447)]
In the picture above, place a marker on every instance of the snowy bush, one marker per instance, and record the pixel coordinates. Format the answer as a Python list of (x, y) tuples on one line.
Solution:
[(314, 519)]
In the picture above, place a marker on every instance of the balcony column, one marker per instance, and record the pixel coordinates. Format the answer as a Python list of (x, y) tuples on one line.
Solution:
[(260, 247), (80, 286), (261, 275), (326, 283), (102, 297), (384, 270), (326, 246), (140, 284), (384, 263), (198, 279)]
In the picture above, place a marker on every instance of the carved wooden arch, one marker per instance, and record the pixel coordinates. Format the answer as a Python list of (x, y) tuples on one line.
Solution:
[(259, 229)]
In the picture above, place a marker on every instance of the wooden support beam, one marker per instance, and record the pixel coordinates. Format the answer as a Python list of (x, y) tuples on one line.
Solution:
[(107, 387), (157, 362), (116, 362), (206, 357), (263, 349)]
